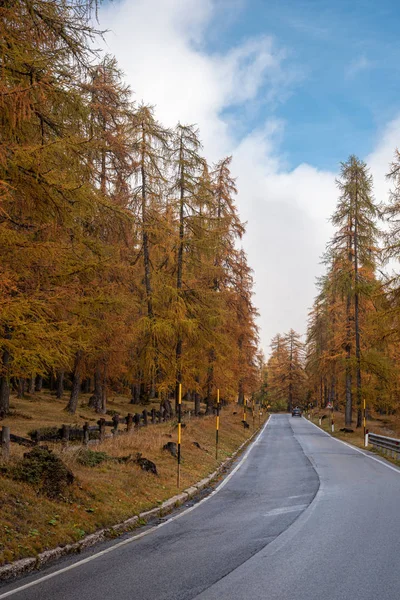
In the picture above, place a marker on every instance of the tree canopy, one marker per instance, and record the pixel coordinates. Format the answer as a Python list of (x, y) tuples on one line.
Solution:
[(119, 242)]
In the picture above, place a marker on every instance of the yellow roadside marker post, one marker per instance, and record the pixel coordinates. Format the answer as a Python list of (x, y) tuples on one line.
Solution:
[(244, 413), (217, 427), (365, 425), (179, 433)]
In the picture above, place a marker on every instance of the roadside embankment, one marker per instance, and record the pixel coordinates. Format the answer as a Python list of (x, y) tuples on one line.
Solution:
[(116, 490)]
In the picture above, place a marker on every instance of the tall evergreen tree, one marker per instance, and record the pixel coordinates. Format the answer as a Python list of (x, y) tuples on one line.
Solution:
[(353, 246)]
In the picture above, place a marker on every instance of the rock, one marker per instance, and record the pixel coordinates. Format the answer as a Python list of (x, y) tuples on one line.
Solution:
[(124, 459), (146, 464), (246, 425), (172, 448), (197, 445), (347, 430)]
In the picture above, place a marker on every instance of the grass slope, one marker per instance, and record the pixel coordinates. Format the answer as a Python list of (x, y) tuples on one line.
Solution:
[(110, 492), (388, 425)]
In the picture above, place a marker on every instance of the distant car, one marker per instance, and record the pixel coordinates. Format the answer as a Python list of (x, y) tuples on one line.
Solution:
[(296, 412)]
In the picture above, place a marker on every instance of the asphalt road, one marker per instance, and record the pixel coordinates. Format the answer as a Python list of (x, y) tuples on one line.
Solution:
[(304, 517)]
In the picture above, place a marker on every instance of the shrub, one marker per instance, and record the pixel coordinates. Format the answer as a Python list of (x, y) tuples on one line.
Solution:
[(45, 470), (91, 458)]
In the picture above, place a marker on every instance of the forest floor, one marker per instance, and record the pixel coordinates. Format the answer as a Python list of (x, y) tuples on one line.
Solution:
[(110, 492)]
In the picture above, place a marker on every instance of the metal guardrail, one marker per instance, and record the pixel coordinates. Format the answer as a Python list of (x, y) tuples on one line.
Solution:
[(388, 445)]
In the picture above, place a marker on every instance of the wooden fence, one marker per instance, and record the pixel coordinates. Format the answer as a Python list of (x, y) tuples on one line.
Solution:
[(84, 434)]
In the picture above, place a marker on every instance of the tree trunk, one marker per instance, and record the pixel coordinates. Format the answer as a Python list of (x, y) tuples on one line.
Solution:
[(52, 381), (356, 312), (349, 398), (21, 387), (321, 393), (290, 399), (210, 377), (96, 400), (32, 384), (241, 393), (178, 371), (38, 383), (196, 404), (334, 398), (5, 387), (86, 385), (60, 384), (103, 408), (76, 384), (179, 277), (145, 235), (135, 390)]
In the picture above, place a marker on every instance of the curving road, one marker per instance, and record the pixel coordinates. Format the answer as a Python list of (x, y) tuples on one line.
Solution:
[(303, 517)]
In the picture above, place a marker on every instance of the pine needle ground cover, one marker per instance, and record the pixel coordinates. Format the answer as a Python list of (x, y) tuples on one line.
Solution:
[(110, 491)]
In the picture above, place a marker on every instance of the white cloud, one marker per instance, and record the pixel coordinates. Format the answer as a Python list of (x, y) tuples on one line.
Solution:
[(287, 214), (160, 44), (381, 157), (358, 65)]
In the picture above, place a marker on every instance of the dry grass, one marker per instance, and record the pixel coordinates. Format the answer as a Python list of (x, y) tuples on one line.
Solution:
[(388, 425), (111, 492), (44, 410)]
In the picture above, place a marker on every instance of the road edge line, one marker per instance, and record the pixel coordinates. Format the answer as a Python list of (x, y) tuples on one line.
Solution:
[(363, 452), (251, 442)]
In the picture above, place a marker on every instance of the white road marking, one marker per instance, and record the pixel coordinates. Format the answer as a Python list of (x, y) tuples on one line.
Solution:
[(285, 509), (387, 465), (299, 496), (140, 535)]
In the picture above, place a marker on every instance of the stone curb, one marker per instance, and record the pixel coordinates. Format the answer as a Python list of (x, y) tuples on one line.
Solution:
[(26, 565)]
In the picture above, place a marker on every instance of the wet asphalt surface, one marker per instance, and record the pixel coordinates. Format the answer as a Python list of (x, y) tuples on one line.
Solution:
[(304, 517)]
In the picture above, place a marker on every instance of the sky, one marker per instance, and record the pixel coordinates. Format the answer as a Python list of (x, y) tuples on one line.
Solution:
[(289, 88)]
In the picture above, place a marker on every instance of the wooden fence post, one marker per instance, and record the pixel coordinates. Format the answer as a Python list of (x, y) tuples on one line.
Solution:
[(153, 416), (102, 429), (129, 421), (136, 420), (5, 442), (115, 420), (86, 433), (145, 422), (64, 435)]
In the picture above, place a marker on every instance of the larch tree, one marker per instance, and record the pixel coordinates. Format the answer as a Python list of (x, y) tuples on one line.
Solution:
[(42, 177), (120, 263), (150, 141), (353, 248), (286, 371), (187, 167)]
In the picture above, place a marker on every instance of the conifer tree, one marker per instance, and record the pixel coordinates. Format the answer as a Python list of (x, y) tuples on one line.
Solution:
[(187, 166), (44, 191), (354, 246), (286, 373), (118, 243)]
